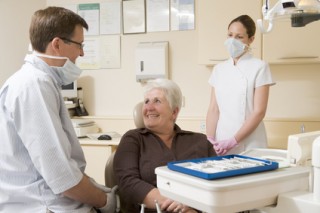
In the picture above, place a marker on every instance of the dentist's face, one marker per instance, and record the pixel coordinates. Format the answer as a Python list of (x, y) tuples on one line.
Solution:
[(238, 31), (72, 49), (157, 113)]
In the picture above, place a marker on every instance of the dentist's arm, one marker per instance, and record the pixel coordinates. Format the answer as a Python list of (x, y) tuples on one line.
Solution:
[(86, 192)]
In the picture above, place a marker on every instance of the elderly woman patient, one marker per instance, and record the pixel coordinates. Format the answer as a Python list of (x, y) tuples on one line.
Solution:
[(161, 141)]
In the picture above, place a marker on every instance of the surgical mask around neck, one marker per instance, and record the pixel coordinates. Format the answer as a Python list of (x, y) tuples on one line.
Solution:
[(69, 72), (235, 47)]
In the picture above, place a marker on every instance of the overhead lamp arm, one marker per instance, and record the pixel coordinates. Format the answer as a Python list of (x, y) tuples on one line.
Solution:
[(300, 15)]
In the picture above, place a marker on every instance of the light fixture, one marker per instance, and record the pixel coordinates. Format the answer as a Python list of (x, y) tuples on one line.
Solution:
[(299, 12)]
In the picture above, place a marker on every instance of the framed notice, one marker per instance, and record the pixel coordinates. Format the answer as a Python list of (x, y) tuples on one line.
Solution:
[(90, 13), (158, 15), (134, 16), (182, 15)]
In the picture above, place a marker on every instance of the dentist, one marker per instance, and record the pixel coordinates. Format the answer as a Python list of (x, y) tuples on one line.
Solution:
[(41, 161)]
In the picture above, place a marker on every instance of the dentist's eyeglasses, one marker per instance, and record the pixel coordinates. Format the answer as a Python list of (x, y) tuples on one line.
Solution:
[(81, 45)]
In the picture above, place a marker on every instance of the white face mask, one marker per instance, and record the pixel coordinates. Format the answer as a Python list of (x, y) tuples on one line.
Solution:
[(69, 72), (235, 47)]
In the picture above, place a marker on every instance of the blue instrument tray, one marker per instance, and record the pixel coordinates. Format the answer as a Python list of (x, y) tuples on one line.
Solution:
[(222, 166)]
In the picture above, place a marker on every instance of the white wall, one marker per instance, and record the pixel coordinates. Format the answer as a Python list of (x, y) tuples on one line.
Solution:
[(114, 92), (15, 16)]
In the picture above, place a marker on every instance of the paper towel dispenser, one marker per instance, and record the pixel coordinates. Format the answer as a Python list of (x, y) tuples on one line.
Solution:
[(151, 60)]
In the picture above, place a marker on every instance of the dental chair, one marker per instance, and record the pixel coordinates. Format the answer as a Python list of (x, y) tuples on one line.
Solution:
[(137, 115), (108, 172), (109, 178)]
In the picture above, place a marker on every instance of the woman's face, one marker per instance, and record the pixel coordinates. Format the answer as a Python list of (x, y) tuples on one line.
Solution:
[(157, 114), (238, 31)]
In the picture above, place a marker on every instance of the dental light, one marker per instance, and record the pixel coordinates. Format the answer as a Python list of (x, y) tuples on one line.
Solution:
[(300, 12)]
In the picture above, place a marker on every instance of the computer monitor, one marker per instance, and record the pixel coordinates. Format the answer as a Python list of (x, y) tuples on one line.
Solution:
[(70, 90)]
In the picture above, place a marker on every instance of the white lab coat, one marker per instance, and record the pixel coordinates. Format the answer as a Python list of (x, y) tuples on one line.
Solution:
[(40, 155), (234, 89)]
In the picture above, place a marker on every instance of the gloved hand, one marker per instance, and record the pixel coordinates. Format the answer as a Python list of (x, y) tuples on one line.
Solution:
[(222, 147), (111, 206), (211, 139)]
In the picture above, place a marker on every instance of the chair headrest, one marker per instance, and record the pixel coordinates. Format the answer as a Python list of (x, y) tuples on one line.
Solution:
[(137, 115)]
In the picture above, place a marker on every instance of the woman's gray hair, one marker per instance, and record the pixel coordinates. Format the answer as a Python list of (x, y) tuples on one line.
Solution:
[(171, 91)]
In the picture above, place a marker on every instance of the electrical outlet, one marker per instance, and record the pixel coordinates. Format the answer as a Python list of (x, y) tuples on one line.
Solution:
[(203, 126)]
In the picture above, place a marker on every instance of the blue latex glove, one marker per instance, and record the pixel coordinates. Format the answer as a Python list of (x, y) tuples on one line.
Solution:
[(222, 147)]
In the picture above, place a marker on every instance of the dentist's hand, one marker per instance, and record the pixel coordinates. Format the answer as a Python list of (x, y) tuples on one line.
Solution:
[(111, 206), (223, 146), (99, 186)]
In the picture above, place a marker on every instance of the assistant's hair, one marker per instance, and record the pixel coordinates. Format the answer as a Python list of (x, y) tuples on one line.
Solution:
[(247, 22), (171, 90), (53, 22)]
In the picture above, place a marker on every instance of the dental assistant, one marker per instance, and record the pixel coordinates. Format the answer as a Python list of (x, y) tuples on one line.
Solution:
[(41, 161), (239, 94)]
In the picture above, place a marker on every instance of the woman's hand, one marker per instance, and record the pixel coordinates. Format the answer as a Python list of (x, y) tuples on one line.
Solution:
[(171, 205), (174, 206)]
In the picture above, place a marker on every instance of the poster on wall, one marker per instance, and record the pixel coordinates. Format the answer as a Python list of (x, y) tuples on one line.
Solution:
[(133, 12), (158, 15), (182, 14), (110, 17), (90, 13), (91, 58), (101, 52)]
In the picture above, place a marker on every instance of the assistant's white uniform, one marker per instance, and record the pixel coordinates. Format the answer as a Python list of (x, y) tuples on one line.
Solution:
[(234, 89)]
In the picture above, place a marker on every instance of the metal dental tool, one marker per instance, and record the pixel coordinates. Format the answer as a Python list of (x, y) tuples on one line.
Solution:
[(142, 208), (158, 207)]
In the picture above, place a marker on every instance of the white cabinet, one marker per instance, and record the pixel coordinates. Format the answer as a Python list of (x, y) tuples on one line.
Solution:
[(96, 157), (213, 19), (289, 45), (97, 153)]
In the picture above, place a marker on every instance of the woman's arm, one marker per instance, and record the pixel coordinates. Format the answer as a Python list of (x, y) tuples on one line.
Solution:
[(260, 103), (152, 196)]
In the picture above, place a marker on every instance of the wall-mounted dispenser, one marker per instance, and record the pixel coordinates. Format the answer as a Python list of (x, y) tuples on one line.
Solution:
[(151, 60)]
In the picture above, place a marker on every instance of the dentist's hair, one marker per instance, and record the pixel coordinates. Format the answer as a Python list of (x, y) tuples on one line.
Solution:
[(171, 91), (52, 22), (247, 22)]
